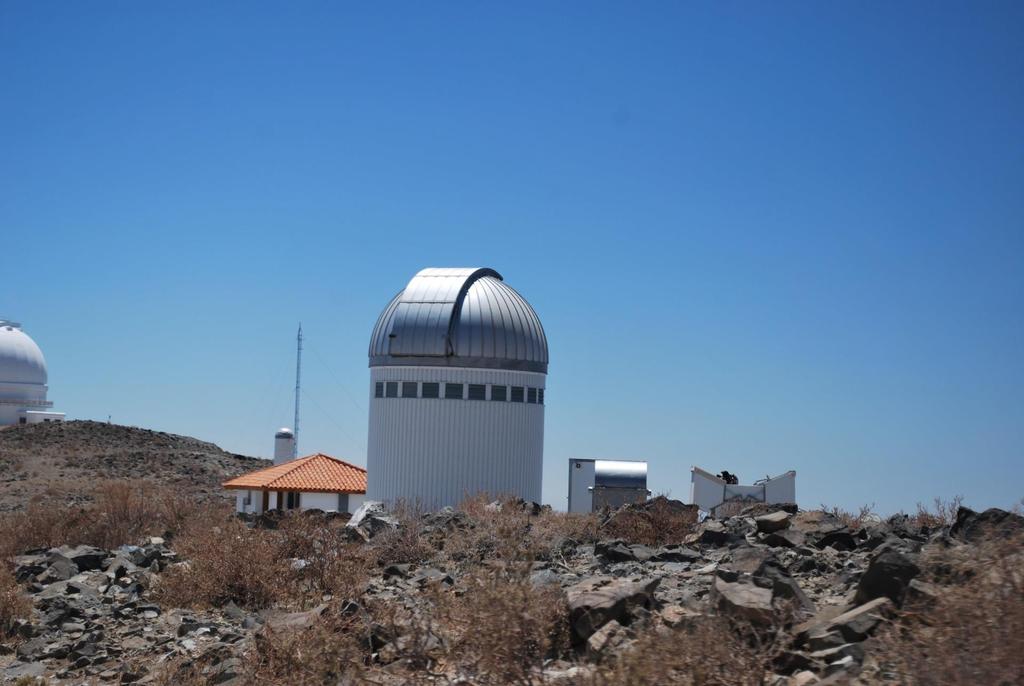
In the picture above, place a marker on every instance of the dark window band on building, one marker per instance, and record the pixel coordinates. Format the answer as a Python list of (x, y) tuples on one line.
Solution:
[(458, 391)]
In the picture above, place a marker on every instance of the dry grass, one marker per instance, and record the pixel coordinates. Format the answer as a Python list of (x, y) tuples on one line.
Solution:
[(407, 544), (658, 522), (706, 653), (122, 513), (943, 515), (333, 652), (500, 627), (972, 632), (225, 563), (13, 603), (854, 520), (495, 628)]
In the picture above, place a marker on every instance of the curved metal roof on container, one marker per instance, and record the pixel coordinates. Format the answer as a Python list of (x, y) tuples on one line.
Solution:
[(459, 318)]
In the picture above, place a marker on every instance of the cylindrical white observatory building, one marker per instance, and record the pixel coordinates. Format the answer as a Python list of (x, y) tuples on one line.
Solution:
[(23, 379), (458, 364)]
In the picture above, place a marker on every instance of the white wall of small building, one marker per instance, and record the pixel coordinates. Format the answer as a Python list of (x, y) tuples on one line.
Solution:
[(708, 491), (781, 489), (328, 502), (38, 417), (434, 452), (251, 501)]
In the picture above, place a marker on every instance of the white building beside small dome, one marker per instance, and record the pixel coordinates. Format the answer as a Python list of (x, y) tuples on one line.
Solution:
[(23, 379), (458, 372)]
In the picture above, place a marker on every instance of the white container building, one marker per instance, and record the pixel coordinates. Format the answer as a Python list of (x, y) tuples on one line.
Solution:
[(458, 370), (596, 484), (23, 379)]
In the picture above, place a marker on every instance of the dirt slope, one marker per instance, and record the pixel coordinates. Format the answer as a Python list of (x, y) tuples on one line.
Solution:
[(65, 461)]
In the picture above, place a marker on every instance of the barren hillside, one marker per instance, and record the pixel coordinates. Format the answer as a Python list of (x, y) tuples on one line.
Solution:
[(66, 461)]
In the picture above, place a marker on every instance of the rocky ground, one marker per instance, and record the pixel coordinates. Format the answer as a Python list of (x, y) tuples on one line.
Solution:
[(63, 462), (802, 597)]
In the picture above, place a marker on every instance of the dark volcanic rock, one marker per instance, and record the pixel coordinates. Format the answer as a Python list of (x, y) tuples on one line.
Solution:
[(784, 586), (840, 540), (773, 521), (676, 553), (787, 538), (84, 557), (887, 575), (618, 551), (974, 526), (714, 533), (595, 602), (742, 599)]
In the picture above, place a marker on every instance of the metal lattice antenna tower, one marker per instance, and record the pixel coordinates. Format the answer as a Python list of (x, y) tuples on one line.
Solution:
[(298, 386)]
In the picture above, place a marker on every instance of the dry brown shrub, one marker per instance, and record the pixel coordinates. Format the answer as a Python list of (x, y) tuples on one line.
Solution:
[(500, 628), (408, 543), (556, 534), (501, 532), (38, 527), (972, 632), (943, 516), (333, 564), (122, 513), (333, 652), (298, 562), (657, 522), (14, 604), (226, 562), (707, 653), (853, 520)]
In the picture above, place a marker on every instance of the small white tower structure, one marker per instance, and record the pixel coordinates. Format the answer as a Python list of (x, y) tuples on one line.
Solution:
[(23, 379), (284, 445)]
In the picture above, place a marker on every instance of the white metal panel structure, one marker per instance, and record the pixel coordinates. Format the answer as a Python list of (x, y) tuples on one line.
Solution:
[(284, 445), (581, 485), (594, 484), (23, 379), (458, 368), (708, 491)]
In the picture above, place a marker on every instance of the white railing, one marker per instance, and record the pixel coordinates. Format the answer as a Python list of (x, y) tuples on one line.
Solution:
[(26, 403)]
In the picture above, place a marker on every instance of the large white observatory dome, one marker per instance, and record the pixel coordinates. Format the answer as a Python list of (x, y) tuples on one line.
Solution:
[(22, 378), (458, 369), (21, 360)]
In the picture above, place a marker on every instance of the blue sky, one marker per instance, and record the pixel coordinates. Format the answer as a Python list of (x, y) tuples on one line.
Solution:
[(760, 236)]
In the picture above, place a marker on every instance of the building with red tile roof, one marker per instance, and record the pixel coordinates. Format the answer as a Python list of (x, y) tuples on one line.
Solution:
[(317, 482)]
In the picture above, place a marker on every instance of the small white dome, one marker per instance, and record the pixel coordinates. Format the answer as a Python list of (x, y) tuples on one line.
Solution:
[(21, 360), (284, 432)]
